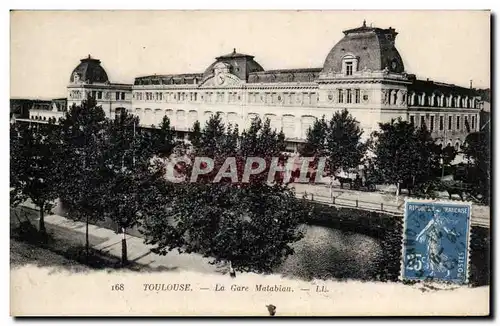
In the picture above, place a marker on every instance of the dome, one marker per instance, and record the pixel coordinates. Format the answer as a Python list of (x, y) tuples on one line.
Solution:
[(241, 65), (373, 47), (89, 71)]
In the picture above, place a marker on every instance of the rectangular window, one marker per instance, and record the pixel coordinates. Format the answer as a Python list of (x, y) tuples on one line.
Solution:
[(93, 94), (466, 122), (473, 122), (458, 122), (450, 122), (348, 68), (412, 119), (441, 122), (357, 95), (349, 96), (341, 96), (432, 123), (99, 95), (422, 121)]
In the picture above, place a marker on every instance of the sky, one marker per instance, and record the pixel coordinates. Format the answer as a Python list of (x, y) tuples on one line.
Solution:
[(45, 46)]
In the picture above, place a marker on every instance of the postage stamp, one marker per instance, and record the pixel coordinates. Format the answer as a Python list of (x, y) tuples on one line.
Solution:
[(436, 241)]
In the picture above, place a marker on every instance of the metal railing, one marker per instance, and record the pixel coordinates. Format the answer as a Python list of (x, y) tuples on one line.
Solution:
[(479, 218), (395, 209)]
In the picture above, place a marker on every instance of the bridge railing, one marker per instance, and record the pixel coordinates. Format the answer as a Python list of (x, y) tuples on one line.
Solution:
[(397, 209)]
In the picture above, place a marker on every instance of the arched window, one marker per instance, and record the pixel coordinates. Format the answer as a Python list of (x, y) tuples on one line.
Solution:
[(138, 113), (158, 117), (206, 116), (180, 116), (192, 118), (289, 126), (147, 118), (233, 119), (306, 123), (249, 119), (274, 121)]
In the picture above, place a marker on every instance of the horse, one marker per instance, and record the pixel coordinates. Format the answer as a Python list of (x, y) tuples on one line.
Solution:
[(343, 180)]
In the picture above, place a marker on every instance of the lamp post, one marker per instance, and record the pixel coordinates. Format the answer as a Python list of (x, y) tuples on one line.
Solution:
[(441, 161)]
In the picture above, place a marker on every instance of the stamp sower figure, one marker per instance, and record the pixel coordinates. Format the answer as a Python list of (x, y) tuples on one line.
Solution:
[(432, 235)]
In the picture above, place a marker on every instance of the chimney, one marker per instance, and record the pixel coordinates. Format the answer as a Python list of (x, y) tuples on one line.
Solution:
[(470, 85)]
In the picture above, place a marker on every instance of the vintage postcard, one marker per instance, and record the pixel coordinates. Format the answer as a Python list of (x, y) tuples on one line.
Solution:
[(250, 163)]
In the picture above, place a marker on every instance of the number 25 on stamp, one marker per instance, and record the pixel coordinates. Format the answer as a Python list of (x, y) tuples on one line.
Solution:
[(436, 241)]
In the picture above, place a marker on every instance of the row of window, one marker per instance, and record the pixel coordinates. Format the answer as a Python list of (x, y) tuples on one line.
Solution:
[(442, 100), (185, 119), (346, 96), (286, 98), (459, 123), (98, 95), (43, 118)]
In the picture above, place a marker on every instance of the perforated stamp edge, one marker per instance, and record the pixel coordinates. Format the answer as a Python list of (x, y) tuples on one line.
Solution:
[(403, 237)]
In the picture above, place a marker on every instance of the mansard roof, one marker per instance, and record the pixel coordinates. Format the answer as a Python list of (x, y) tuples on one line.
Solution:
[(89, 71), (285, 75), (172, 79), (373, 47), (429, 87)]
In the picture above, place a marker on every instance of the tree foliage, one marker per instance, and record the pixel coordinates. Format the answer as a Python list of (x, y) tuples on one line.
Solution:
[(34, 166), (250, 224), (339, 139), (404, 154), (448, 154), (195, 135), (476, 149), (130, 169)]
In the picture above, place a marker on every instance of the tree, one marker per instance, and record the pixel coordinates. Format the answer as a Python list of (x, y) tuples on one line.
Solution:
[(82, 133), (448, 154), (35, 158), (261, 139), (339, 139), (343, 142), (163, 139), (476, 149), (129, 169), (212, 137), (250, 225), (315, 139), (250, 229), (404, 154), (195, 135)]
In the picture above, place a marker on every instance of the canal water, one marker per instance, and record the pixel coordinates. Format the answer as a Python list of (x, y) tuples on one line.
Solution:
[(327, 253), (323, 253)]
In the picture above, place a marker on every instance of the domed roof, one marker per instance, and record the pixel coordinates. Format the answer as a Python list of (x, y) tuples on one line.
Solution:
[(373, 47), (89, 71), (241, 65)]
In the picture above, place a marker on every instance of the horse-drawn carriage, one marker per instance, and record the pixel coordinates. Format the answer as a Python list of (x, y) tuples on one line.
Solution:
[(356, 183)]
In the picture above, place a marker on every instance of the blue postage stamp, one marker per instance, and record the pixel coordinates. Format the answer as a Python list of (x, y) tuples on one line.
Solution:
[(436, 241)]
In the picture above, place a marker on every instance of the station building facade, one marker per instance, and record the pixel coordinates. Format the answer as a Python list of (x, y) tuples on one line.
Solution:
[(363, 73)]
